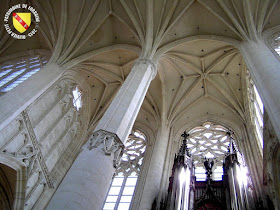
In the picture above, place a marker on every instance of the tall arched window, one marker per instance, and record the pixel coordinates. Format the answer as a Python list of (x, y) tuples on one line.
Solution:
[(124, 181), (256, 109), (277, 45), (209, 141), (14, 72)]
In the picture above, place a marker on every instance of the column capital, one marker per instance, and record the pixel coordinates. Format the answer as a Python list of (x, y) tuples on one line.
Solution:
[(108, 142), (147, 61)]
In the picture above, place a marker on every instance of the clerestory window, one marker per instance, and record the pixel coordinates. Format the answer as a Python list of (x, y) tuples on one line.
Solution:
[(124, 181), (14, 72), (256, 109)]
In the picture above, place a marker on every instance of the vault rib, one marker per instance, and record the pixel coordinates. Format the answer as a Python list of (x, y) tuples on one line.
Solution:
[(181, 60), (43, 32), (226, 48), (53, 17), (122, 21), (184, 97), (174, 119), (167, 28), (229, 62), (48, 22), (149, 109), (163, 92), (76, 26), (101, 100), (99, 114), (175, 66), (110, 5), (268, 14), (152, 102), (104, 72), (161, 17), (165, 23), (71, 53), (134, 21), (175, 99), (78, 36), (233, 20), (238, 15), (183, 54), (227, 106), (222, 19), (234, 94), (139, 15), (228, 97), (218, 60), (93, 74), (60, 40), (92, 53), (251, 26)]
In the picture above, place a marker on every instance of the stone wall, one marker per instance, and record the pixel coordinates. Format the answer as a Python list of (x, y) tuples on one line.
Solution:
[(46, 138), (271, 164)]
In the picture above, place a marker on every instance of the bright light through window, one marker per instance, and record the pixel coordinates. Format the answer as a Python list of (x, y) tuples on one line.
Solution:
[(256, 109), (210, 141), (77, 102), (14, 72), (124, 182), (277, 45)]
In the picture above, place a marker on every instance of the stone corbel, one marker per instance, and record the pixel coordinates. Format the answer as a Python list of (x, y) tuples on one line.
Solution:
[(110, 144), (146, 61)]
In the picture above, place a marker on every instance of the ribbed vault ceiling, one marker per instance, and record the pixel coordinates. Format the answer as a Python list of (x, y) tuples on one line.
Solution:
[(200, 71)]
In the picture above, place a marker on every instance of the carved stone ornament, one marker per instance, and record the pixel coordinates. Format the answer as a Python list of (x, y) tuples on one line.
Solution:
[(144, 61), (109, 142)]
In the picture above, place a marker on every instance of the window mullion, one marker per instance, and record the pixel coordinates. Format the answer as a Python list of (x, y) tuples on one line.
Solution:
[(16, 78), (120, 193), (9, 73), (259, 112)]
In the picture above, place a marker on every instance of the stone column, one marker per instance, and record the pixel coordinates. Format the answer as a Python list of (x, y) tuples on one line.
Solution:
[(88, 180), (154, 175), (122, 112), (86, 184), (264, 66)]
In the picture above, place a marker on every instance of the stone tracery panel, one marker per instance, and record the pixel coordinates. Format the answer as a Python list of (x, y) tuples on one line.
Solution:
[(126, 175), (132, 157), (256, 109), (40, 136), (210, 141)]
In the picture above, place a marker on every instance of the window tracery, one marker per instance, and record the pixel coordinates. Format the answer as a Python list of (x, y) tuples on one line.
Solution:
[(77, 98), (256, 109), (14, 72), (124, 181), (208, 141)]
